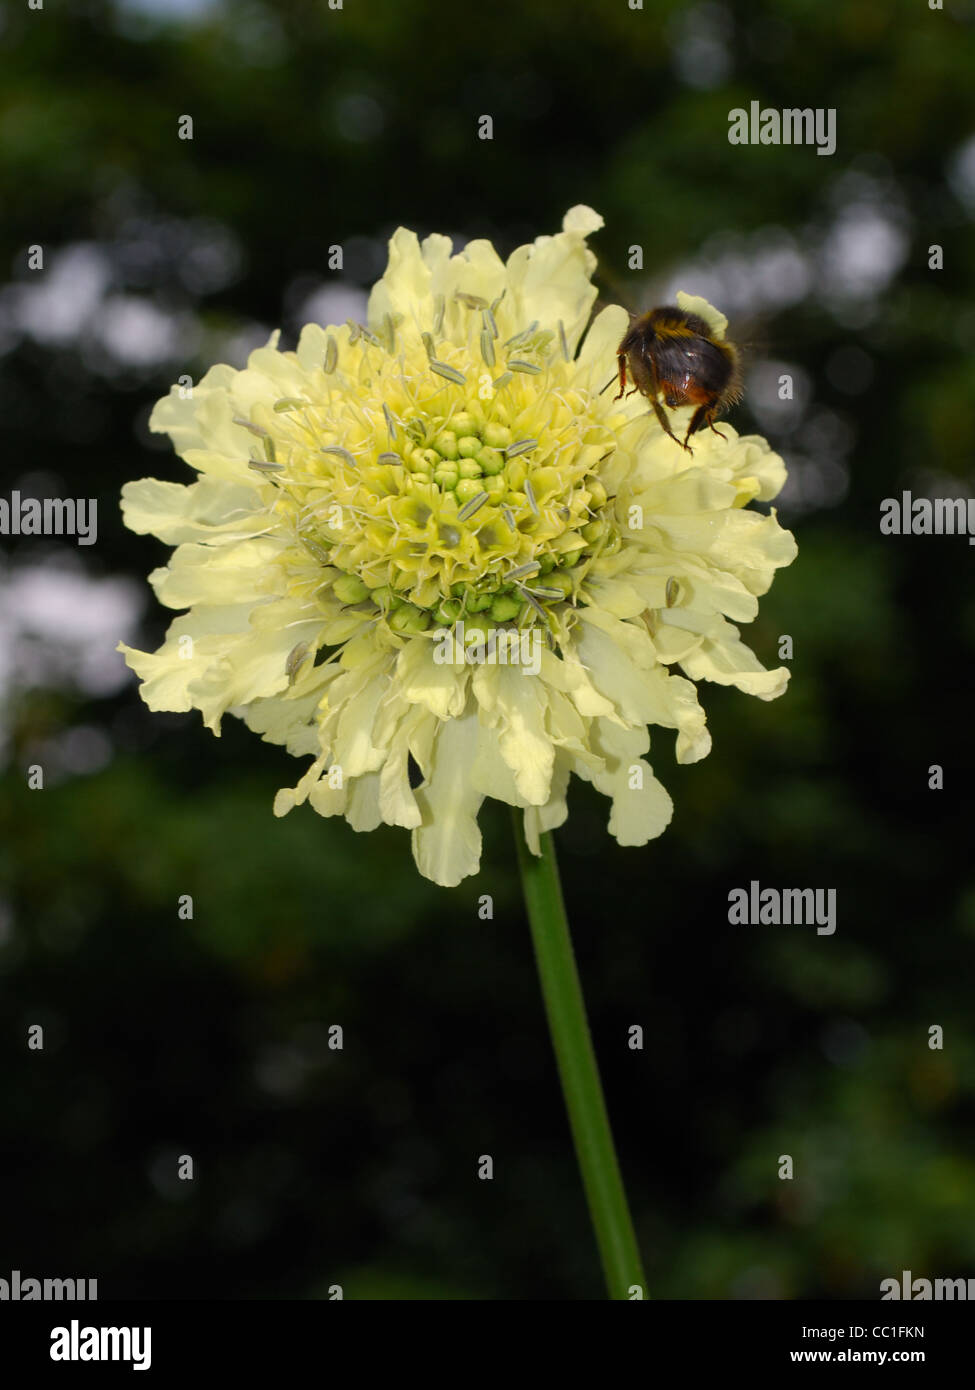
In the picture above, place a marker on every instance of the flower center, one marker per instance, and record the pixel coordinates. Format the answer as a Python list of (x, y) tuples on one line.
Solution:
[(431, 480)]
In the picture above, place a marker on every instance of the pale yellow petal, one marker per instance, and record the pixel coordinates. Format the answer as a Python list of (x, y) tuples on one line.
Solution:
[(694, 304), (210, 509), (447, 845), (551, 281)]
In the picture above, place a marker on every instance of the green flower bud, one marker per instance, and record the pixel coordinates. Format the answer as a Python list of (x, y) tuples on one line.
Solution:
[(546, 563), (448, 611), (417, 461), (477, 603), (433, 459), (505, 607), (570, 558), (491, 461), (383, 597), (468, 446), (497, 436), (562, 582), (597, 493), (463, 423), (594, 530), (350, 589), (468, 488), (516, 472), (409, 619), (496, 488), (469, 468), (446, 444), (446, 478)]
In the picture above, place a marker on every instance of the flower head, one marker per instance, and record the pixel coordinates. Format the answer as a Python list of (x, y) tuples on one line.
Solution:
[(455, 467)]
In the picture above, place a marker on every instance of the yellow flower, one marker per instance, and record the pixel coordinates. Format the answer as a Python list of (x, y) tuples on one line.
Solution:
[(456, 471)]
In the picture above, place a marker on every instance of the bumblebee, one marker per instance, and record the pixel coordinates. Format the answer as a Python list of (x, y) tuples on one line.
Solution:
[(675, 355)]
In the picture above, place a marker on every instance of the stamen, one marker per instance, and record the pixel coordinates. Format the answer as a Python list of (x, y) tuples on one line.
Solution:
[(474, 505), (529, 598), (487, 347), (246, 424), (521, 446), (529, 368), (331, 355), (296, 659), (316, 549), (520, 337), (448, 373), (341, 453)]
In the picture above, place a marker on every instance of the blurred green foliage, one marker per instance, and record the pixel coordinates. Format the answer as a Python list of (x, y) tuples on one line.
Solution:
[(208, 1036)]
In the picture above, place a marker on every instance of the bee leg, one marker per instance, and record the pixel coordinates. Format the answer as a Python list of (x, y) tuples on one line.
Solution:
[(658, 410), (621, 359), (698, 421), (704, 415)]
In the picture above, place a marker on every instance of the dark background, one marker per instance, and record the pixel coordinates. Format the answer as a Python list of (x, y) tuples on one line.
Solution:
[(208, 1037)]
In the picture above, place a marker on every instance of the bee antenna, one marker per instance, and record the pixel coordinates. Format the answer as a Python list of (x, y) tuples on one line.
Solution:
[(608, 384)]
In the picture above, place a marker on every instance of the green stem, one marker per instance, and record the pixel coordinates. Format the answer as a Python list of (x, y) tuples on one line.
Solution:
[(577, 1067)]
